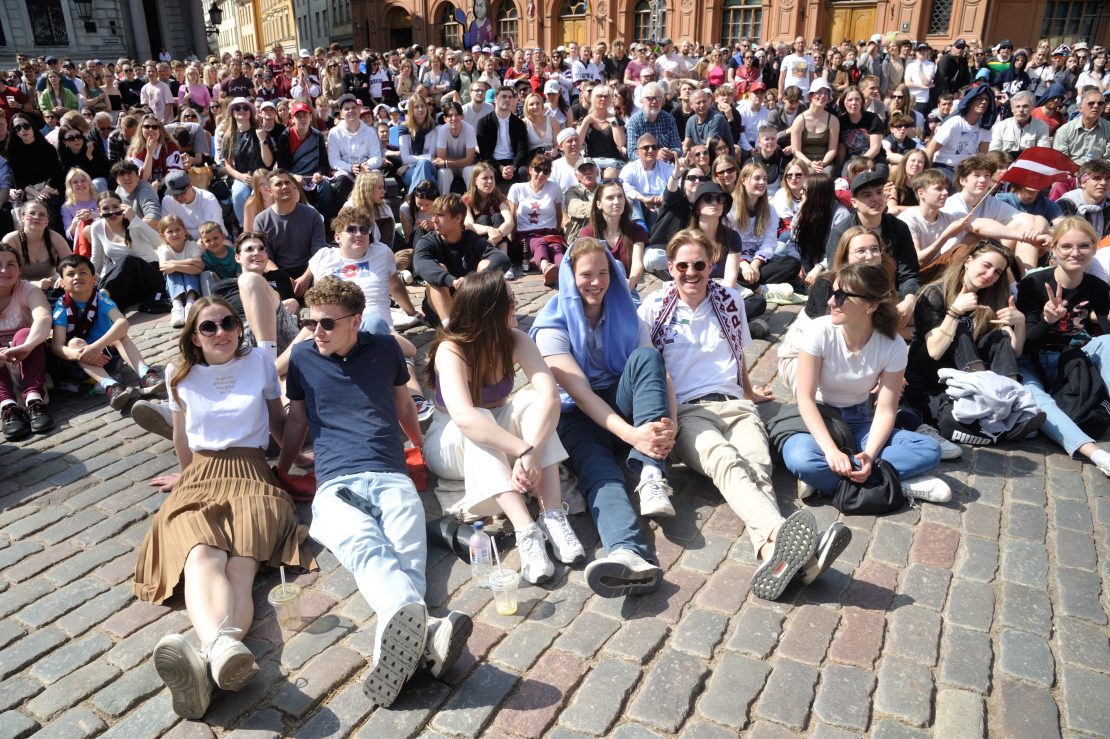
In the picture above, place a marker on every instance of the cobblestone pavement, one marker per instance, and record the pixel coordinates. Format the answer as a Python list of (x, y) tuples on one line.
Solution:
[(984, 617)]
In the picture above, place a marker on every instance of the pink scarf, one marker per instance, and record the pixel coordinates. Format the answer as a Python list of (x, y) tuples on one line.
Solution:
[(728, 310)]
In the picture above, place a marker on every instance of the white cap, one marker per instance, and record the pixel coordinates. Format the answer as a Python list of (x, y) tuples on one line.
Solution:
[(551, 86), (495, 49), (877, 38), (561, 48), (475, 49), (304, 53)]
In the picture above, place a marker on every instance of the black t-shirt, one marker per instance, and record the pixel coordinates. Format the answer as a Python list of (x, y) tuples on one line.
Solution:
[(773, 165), (931, 310), (579, 111), (856, 136), (1088, 305), (907, 145), (614, 68), (229, 289)]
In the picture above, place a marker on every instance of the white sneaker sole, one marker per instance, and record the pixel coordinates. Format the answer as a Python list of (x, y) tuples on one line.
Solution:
[(613, 579), (661, 510), (185, 674), (400, 651), (235, 671), (459, 628), (836, 541), (794, 545), (149, 417)]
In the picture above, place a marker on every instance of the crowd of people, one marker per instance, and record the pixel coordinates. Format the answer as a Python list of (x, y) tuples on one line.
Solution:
[(277, 207)]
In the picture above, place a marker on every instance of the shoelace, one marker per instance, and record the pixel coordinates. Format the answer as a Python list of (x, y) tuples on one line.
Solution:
[(531, 542), (562, 526), (222, 631), (654, 489)]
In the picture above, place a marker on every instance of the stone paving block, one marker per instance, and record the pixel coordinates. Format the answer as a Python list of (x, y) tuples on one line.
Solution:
[(97, 493), (1026, 711), (700, 632), (967, 659), (767, 730), (33, 523), (190, 730), (471, 601), (87, 561), (227, 707), (560, 607), (757, 632), (140, 645), (341, 584), (9, 632), (915, 633), (67, 659), (109, 527), (347, 710), (977, 559), (690, 515), (481, 640), (725, 522), (1079, 595), (67, 527), (80, 723), (960, 715), (891, 543), (151, 720), (60, 602), (925, 586), (677, 589), (586, 634), (471, 708), (1085, 705), (18, 552), (935, 545), (117, 468), (1029, 490), (702, 730), (727, 588), (99, 608), (1026, 657), (844, 699), (357, 609), (1025, 563), (601, 698), (1073, 515), (861, 639), (733, 687), (872, 586), (1075, 550), (40, 562), (638, 640), (788, 695), (314, 639), (28, 649), (1083, 645), (808, 634), (1067, 485), (1026, 609), (706, 553), (319, 677), (14, 725), (621, 608), (944, 514), (982, 520), (71, 690), (632, 731), (124, 694), (133, 618), (133, 494), (557, 733), (15, 691), (668, 691), (905, 690), (313, 605), (829, 588), (825, 731), (853, 553), (971, 604), (524, 645), (1102, 511)]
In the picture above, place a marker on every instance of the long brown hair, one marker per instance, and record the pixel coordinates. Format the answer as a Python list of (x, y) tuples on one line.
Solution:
[(901, 180), (111, 195), (138, 142), (597, 221), (47, 237), (479, 325), (474, 198), (191, 354), (761, 212), (875, 285), (991, 299)]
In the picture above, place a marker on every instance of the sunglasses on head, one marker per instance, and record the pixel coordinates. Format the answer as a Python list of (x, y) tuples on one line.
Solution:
[(328, 324), (839, 295), (697, 266), (713, 198), (353, 229), (209, 328)]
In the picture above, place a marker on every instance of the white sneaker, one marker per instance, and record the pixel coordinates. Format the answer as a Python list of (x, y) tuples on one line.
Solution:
[(623, 572), (564, 542), (655, 498), (445, 641), (805, 490), (948, 450), (152, 417), (1104, 468), (230, 662), (927, 487), (534, 565), (399, 653), (177, 316), (403, 321), (794, 545), (830, 544), (778, 293), (184, 672), (405, 276)]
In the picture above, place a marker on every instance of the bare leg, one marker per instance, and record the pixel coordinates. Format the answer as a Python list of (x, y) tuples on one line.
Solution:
[(130, 352), (548, 490), (766, 549), (515, 508), (441, 300), (258, 306), (292, 306), (1088, 449), (240, 573), (209, 596), (97, 373)]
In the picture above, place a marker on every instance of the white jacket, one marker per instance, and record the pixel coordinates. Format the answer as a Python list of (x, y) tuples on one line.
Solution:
[(346, 149), (144, 243)]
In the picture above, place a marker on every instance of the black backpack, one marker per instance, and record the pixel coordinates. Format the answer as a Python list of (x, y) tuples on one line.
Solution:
[(884, 496), (1080, 392)]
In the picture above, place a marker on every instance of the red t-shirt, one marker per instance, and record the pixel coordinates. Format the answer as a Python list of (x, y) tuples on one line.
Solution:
[(12, 101), (622, 250)]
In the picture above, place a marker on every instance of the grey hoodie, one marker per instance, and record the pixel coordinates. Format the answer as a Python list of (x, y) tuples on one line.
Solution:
[(1073, 204)]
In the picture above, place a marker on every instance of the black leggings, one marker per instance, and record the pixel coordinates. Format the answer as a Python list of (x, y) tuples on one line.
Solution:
[(779, 269), (132, 281)]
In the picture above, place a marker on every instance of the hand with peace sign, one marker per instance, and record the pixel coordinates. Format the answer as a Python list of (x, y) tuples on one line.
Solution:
[(1056, 307), (1009, 316), (966, 301)]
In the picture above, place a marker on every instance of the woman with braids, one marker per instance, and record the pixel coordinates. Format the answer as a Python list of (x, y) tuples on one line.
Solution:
[(24, 328), (40, 248), (501, 446), (125, 254), (226, 515)]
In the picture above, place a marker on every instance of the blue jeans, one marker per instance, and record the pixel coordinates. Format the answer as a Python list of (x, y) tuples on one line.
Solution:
[(240, 194), (388, 552), (100, 183), (422, 170), (374, 324), (179, 283), (1058, 426), (910, 453), (639, 396)]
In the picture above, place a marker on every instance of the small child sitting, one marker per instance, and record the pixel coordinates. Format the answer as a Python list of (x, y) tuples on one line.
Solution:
[(180, 261), (899, 142), (90, 337), (391, 153), (219, 260), (768, 154)]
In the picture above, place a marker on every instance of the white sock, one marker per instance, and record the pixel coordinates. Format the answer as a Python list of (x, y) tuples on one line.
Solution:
[(270, 348), (107, 382), (31, 396), (446, 321), (189, 303), (1100, 457), (143, 370), (6, 403), (177, 303), (650, 472)]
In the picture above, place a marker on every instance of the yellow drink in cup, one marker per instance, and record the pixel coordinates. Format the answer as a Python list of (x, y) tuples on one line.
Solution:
[(504, 585)]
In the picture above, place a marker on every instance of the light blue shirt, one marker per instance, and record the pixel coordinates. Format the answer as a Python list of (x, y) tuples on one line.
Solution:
[(5, 173), (639, 181)]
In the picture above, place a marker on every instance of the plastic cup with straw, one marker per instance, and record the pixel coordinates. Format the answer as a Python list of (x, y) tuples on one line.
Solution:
[(286, 600), (504, 584)]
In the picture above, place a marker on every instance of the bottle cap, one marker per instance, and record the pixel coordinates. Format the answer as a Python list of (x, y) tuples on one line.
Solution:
[(478, 525)]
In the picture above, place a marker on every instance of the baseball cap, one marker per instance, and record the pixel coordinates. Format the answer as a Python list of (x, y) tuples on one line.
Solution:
[(582, 162), (177, 182), (475, 49), (300, 108), (51, 60), (565, 134), (495, 49), (1004, 43), (1061, 50), (365, 111), (1080, 45), (305, 54), (864, 179), (551, 86), (268, 104), (758, 87), (877, 38), (960, 43), (348, 98), (922, 45)]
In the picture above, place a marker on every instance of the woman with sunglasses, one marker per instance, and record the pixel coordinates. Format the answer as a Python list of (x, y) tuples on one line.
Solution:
[(815, 133), (154, 151), (41, 249), (611, 222), (1064, 308), (537, 207), (902, 101), (1094, 74), (75, 151), (125, 253), (334, 83), (501, 447), (788, 200), (674, 215), (36, 170), (246, 148), (603, 138), (226, 515), (305, 84), (466, 75)]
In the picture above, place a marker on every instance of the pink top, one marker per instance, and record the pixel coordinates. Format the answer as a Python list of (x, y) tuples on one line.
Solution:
[(17, 315), (716, 75), (200, 94)]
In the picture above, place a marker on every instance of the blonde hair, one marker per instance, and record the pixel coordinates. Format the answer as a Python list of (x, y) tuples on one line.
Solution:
[(258, 180), (138, 143), (1073, 223), (74, 173), (362, 195), (761, 211)]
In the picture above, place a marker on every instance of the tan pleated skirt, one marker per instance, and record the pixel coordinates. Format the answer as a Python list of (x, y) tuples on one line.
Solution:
[(229, 500)]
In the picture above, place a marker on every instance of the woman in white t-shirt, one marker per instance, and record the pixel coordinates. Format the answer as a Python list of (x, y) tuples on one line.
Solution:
[(538, 211), (841, 359), (226, 515)]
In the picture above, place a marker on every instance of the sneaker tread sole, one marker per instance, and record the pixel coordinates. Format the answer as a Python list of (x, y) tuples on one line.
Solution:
[(184, 673), (400, 651), (613, 579), (236, 671), (794, 546)]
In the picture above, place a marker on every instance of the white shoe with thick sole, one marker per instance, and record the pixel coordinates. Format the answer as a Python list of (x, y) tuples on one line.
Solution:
[(534, 564), (794, 544), (948, 450), (445, 641), (177, 316), (623, 572), (805, 490), (927, 487), (155, 418), (185, 673), (655, 497), (778, 293), (230, 661), (399, 654), (832, 542), (564, 542)]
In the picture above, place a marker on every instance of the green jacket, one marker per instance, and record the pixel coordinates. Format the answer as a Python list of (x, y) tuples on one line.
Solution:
[(68, 101)]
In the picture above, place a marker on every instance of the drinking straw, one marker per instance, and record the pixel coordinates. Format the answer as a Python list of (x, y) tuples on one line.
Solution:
[(282, 579), (500, 574)]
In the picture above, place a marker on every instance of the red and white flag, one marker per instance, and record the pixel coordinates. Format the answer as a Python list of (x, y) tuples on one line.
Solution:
[(1039, 168)]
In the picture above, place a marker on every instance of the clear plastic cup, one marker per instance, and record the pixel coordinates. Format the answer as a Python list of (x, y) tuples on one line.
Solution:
[(504, 585), (287, 605)]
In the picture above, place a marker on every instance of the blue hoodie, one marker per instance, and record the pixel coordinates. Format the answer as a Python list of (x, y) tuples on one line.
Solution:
[(988, 118)]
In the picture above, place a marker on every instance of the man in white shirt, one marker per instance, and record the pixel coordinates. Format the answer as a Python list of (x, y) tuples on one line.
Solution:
[(645, 180), (961, 136), (192, 205), (353, 147), (1021, 131), (919, 78), (670, 65), (797, 69), (456, 143), (563, 168), (753, 115), (477, 108), (700, 329)]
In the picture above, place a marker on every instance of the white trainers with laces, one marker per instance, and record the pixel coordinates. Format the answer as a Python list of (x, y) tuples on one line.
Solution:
[(185, 673), (564, 542), (948, 450), (927, 487), (655, 497), (623, 572), (830, 544), (445, 641), (177, 316), (230, 661), (534, 565), (778, 293), (1104, 468)]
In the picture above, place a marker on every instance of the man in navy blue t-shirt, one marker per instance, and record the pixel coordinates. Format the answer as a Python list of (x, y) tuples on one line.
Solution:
[(348, 388)]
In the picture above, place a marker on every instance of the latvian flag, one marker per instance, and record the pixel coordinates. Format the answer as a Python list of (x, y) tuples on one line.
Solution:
[(1039, 168)]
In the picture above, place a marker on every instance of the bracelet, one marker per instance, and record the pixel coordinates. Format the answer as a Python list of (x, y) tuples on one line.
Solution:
[(955, 313), (526, 451), (950, 336)]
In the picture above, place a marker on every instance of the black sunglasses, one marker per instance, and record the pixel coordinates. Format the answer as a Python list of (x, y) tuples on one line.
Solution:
[(542, 170), (111, 213), (713, 198), (22, 127), (353, 229), (697, 178), (697, 266), (208, 328), (840, 295), (650, 147), (150, 127), (240, 108), (328, 324), (67, 139)]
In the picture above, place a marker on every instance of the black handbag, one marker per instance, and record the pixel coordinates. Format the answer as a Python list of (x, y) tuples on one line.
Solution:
[(871, 498)]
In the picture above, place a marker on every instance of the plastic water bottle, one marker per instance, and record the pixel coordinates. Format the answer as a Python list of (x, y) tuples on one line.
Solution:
[(481, 556)]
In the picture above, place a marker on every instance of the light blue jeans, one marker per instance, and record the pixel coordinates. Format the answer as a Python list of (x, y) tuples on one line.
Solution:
[(910, 453), (240, 194), (1058, 426), (386, 552), (100, 183), (179, 283), (422, 170)]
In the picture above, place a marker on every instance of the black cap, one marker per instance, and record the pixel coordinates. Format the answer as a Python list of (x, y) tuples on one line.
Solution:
[(1005, 43), (863, 179), (960, 43), (712, 188)]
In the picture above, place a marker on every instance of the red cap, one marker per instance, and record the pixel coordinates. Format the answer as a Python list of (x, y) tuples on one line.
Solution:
[(757, 86), (300, 108), (365, 111)]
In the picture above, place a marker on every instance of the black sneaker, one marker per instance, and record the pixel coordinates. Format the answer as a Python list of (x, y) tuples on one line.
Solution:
[(759, 329), (40, 420), (16, 425), (119, 396), (151, 383)]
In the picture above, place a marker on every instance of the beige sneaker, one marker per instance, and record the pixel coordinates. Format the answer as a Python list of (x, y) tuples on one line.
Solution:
[(655, 498), (185, 673), (230, 661)]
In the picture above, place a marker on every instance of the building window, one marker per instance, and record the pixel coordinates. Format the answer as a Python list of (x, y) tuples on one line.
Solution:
[(319, 31), (48, 23), (939, 16), (507, 19), (740, 19), (641, 21), (1069, 22), (450, 32), (327, 30)]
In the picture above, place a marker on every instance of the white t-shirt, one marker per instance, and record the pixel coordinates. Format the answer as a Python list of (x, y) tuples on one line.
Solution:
[(919, 72), (472, 116), (504, 148), (959, 140), (456, 147), (924, 233), (563, 174), (695, 351), (846, 378), (535, 211), (192, 250), (753, 120), (799, 71), (993, 208), (225, 404), (370, 272)]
